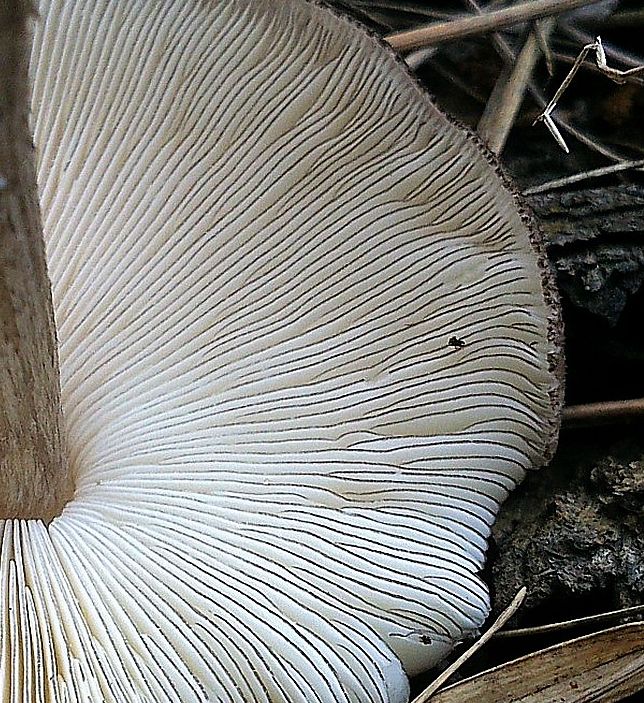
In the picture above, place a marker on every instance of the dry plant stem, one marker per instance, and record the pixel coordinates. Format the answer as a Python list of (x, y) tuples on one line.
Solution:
[(628, 18), (603, 413), (612, 52), (426, 695), (416, 59), (506, 52), (506, 98), (542, 31), (469, 89), (33, 473), (592, 68), (603, 667), (502, 47), (613, 615), (600, 58), (583, 138), (442, 32), (583, 176)]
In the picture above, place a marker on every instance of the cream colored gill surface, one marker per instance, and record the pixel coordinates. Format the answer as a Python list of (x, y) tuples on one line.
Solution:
[(262, 238)]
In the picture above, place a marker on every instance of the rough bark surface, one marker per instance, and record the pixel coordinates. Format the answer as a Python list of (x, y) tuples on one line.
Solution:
[(596, 243), (578, 537)]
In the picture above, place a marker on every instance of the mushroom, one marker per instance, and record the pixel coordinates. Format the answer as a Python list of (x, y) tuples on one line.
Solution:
[(307, 343)]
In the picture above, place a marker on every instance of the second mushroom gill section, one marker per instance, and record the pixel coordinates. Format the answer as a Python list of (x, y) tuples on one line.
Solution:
[(262, 237)]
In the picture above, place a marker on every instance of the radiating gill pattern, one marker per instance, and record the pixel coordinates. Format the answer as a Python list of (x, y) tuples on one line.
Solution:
[(261, 238)]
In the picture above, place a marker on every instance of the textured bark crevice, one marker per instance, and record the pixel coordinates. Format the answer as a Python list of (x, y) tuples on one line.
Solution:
[(34, 480)]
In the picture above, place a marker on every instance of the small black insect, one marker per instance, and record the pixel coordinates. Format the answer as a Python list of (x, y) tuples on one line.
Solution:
[(425, 639), (455, 342)]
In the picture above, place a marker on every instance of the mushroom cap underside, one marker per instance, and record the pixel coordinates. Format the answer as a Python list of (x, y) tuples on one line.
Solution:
[(307, 347)]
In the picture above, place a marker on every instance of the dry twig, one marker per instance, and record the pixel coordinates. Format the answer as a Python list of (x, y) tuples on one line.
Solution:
[(441, 32), (503, 49), (604, 412), (516, 603), (591, 67), (603, 667), (583, 176), (614, 53), (542, 35), (614, 74), (506, 98), (613, 615), (508, 55)]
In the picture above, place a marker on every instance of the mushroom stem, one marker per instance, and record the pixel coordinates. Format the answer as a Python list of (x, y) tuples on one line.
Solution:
[(34, 481)]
